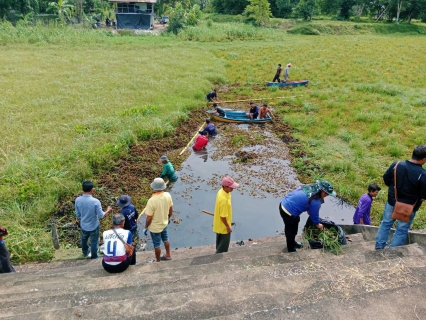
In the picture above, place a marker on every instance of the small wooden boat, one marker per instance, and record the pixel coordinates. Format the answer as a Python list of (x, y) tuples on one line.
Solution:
[(235, 116), (298, 83)]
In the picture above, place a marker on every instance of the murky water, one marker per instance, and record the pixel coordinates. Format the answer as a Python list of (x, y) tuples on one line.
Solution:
[(264, 181)]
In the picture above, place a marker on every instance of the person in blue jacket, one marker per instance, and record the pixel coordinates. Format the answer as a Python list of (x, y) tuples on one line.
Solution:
[(306, 198), (130, 213)]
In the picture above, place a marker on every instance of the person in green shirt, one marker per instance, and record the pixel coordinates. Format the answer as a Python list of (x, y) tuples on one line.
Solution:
[(168, 170)]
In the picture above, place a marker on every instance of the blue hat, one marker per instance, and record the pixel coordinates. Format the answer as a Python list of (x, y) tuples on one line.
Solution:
[(124, 201)]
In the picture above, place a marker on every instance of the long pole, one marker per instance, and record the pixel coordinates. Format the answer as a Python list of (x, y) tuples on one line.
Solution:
[(259, 99), (190, 141)]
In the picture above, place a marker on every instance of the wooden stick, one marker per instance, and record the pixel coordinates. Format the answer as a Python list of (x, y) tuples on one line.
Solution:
[(260, 99), (190, 141), (205, 211)]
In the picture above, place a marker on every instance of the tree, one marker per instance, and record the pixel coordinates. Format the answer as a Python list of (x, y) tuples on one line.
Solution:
[(306, 9), (282, 8), (258, 11), (230, 6), (346, 8), (62, 8)]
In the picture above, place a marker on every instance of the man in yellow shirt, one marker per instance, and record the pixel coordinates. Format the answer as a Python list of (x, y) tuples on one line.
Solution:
[(158, 211), (222, 220)]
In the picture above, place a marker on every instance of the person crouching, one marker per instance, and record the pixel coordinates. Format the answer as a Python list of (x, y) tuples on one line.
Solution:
[(115, 258)]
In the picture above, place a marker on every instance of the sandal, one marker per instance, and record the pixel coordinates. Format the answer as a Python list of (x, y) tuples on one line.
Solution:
[(164, 258)]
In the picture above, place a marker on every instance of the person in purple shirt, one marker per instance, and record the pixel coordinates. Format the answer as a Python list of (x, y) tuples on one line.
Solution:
[(210, 128), (306, 198), (363, 209)]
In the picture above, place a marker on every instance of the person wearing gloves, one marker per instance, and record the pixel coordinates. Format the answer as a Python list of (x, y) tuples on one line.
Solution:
[(159, 209), (305, 198)]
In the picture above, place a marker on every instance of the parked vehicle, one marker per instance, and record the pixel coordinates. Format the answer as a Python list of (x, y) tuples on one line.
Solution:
[(163, 20)]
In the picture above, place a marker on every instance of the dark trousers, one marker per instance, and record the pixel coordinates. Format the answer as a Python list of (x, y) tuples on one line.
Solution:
[(122, 266), (94, 242), (222, 242), (5, 265), (277, 77), (291, 225)]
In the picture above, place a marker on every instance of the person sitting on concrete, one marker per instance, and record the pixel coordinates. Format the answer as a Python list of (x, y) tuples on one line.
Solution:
[(212, 96), (89, 210), (306, 198), (130, 214), (253, 112), (363, 209), (5, 264), (264, 111), (159, 210), (168, 170), (210, 128), (201, 141), (218, 110), (115, 258)]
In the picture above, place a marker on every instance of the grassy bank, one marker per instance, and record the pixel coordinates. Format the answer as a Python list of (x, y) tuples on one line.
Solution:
[(74, 100)]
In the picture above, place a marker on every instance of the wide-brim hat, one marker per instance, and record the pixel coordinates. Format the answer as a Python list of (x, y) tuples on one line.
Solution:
[(164, 158), (327, 187), (124, 201), (158, 184)]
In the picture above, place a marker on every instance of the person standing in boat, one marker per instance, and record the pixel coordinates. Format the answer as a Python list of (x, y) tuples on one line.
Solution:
[(287, 72), (263, 112), (218, 110), (277, 74), (254, 111), (306, 198)]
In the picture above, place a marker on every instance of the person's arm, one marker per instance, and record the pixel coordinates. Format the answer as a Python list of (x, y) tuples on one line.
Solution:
[(388, 175), (165, 171), (148, 221), (99, 211), (364, 207), (77, 212), (170, 211), (129, 238), (135, 217), (314, 214), (270, 113), (225, 222)]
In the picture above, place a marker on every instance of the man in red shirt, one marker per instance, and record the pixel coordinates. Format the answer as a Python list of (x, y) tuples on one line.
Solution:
[(201, 141)]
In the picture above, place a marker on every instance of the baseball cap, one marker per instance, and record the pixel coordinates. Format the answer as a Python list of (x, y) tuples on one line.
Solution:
[(227, 181)]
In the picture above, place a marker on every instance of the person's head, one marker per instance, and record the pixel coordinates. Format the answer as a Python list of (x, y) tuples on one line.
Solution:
[(88, 186), (214, 105), (373, 190), (251, 103), (158, 184), (124, 201), (164, 159), (289, 65), (264, 105), (279, 64), (118, 220), (214, 90), (203, 132), (228, 184), (419, 154), (207, 121)]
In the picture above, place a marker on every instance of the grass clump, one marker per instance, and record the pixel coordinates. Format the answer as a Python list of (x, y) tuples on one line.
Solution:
[(328, 238)]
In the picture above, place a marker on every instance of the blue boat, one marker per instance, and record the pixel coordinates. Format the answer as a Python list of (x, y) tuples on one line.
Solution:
[(234, 116), (298, 83)]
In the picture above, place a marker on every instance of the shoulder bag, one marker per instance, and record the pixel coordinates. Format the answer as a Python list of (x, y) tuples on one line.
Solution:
[(401, 211), (129, 248)]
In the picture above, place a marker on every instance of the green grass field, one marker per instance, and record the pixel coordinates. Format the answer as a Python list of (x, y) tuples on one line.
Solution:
[(73, 101)]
